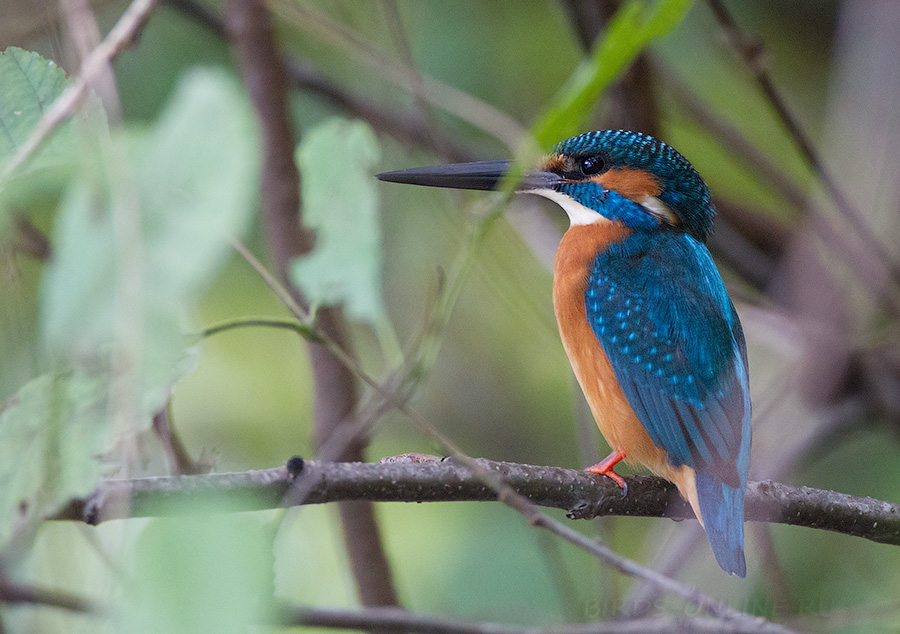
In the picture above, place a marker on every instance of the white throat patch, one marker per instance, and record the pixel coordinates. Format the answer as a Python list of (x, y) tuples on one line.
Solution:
[(581, 215), (578, 213)]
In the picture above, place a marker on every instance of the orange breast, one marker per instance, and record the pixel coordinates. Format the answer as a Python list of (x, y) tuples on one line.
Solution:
[(614, 416)]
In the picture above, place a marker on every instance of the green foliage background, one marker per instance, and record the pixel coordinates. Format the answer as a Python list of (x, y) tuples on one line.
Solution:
[(501, 386)]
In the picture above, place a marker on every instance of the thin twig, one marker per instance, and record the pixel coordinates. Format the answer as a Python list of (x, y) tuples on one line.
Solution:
[(461, 104), (304, 330), (751, 54), (121, 35), (180, 461), (706, 603), (83, 36)]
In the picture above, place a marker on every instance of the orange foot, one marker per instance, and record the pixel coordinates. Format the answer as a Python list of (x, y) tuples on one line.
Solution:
[(605, 467)]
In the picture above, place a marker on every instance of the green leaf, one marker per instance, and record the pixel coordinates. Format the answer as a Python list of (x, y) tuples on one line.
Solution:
[(198, 179), (632, 28), (195, 175), (79, 304), (77, 293), (340, 203), (200, 574), (51, 432), (30, 85)]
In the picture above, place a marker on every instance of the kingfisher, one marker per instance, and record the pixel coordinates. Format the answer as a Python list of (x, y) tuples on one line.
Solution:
[(644, 316)]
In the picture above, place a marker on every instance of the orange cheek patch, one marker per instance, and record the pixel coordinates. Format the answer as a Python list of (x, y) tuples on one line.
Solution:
[(633, 184)]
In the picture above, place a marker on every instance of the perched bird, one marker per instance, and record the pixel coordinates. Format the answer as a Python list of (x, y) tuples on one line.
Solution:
[(644, 316)]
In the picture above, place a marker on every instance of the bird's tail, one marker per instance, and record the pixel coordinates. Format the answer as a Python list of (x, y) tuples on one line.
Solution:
[(722, 508)]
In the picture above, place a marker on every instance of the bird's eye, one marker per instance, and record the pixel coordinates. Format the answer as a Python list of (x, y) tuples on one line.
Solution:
[(591, 165)]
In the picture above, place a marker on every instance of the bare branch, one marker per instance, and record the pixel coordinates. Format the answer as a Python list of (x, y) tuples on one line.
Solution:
[(582, 494), (20, 594), (177, 455), (751, 53), (406, 126), (336, 397), (392, 619)]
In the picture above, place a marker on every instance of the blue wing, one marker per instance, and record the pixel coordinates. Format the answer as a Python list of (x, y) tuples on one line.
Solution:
[(660, 309)]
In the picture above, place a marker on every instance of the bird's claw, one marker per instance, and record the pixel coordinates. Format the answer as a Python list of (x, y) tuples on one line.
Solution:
[(615, 477), (605, 468)]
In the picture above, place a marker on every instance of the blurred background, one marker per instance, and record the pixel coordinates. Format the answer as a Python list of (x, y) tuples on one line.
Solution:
[(814, 275)]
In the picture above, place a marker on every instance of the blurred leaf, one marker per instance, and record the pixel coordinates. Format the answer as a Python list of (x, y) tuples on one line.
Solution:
[(50, 434), (198, 181), (77, 301), (631, 29), (195, 177), (196, 174), (211, 574), (340, 203)]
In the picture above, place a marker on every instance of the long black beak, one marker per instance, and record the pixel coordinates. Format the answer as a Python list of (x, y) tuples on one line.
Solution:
[(483, 175)]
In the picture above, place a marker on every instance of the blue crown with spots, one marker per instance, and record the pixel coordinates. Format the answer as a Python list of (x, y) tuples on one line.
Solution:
[(683, 190)]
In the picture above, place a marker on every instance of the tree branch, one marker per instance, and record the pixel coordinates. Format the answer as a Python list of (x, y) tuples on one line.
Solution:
[(431, 479), (265, 75), (392, 619), (751, 54), (19, 594), (405, 126)]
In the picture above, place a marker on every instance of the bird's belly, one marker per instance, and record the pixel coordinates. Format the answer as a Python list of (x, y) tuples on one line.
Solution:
[(615, 418), (617, 421)]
